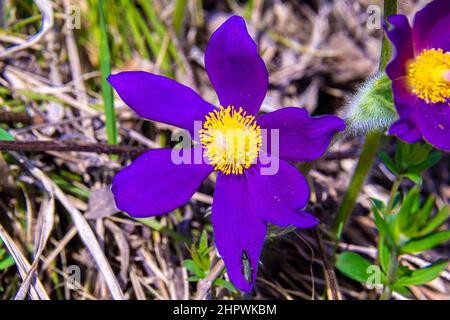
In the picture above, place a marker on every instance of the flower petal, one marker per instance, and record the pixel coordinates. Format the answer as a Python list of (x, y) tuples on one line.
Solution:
[(235, 68), (406, 130), (154, 184), (433, 121), (431, 28), (237, 229), (279, 198), (401, 38), (301, 137), (160, 99), (404, 99)]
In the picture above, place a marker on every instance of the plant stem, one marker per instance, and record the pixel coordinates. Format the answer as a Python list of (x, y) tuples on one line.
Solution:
[(205, 285), (392, 273), (394, 189), (362, 169), (370, 145)]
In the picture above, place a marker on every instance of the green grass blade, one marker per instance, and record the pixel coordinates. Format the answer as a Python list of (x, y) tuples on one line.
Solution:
[(178, 16), (105, 68)]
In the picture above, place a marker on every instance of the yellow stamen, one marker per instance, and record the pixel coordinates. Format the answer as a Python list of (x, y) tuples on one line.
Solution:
[(428, 75), (231, 139)]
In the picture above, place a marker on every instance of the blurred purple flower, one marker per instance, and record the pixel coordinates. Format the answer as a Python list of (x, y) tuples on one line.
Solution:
[(420, 74), (244, 200)]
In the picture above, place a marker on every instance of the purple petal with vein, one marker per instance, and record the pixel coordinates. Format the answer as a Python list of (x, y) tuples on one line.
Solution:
[(279, 198), (433, 121), (237, 229), (431, 28), (235, 68), (154, 184), (160, 99), (301, 137), (401, 38)]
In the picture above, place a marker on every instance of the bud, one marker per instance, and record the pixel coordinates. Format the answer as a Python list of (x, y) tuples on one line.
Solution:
[(372, 107)]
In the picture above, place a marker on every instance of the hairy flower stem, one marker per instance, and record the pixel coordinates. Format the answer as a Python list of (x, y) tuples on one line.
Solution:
[(370, 145), (362, 169)]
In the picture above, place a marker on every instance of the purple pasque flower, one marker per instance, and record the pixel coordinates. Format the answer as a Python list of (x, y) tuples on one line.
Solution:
[(244, 200), (420, 74)]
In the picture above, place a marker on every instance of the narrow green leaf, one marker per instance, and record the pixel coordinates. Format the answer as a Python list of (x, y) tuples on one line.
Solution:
[(404, 291), (404, 216), (249, 9), (6, 263), (415, 153), (203, 243), (388, 162), (383, 255), (383, 228), (430, 161), (105, 68), (4, 135), (194, 268), (425, 212), (426, 243), (226, 284), (178, 16), (423, 275), (436, 221), (353, 266), (414, 177)]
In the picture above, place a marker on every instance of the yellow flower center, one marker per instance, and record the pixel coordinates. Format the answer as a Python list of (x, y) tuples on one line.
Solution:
[(428, 75), (231, 139)]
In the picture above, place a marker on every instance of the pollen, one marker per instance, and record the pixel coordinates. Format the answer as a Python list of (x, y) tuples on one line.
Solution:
[(231, 139), (428, 76)]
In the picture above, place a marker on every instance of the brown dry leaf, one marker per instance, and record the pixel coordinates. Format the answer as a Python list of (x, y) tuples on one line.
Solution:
[(101, 203)]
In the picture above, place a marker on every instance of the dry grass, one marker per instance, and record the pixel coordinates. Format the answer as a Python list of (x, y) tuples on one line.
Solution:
[(57, 214)]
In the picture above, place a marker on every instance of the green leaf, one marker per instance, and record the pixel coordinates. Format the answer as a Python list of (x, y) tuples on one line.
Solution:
[(414, 177), (426, 243), (6, 263), (430, 161), (226, 284), (383, 228), (405, 216), (380, 205), (203, 244), (178, 15), (388, 162), (423, 275), (414, 153), (194, 268), (4, 135), (424, 213), (194, 279), (404, 291), (436, 221), (353, 266), (383, 255)]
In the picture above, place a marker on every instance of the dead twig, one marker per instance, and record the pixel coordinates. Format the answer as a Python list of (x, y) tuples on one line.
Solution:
[(42, 146), (204, 285), (37, 291), (330, 277)]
